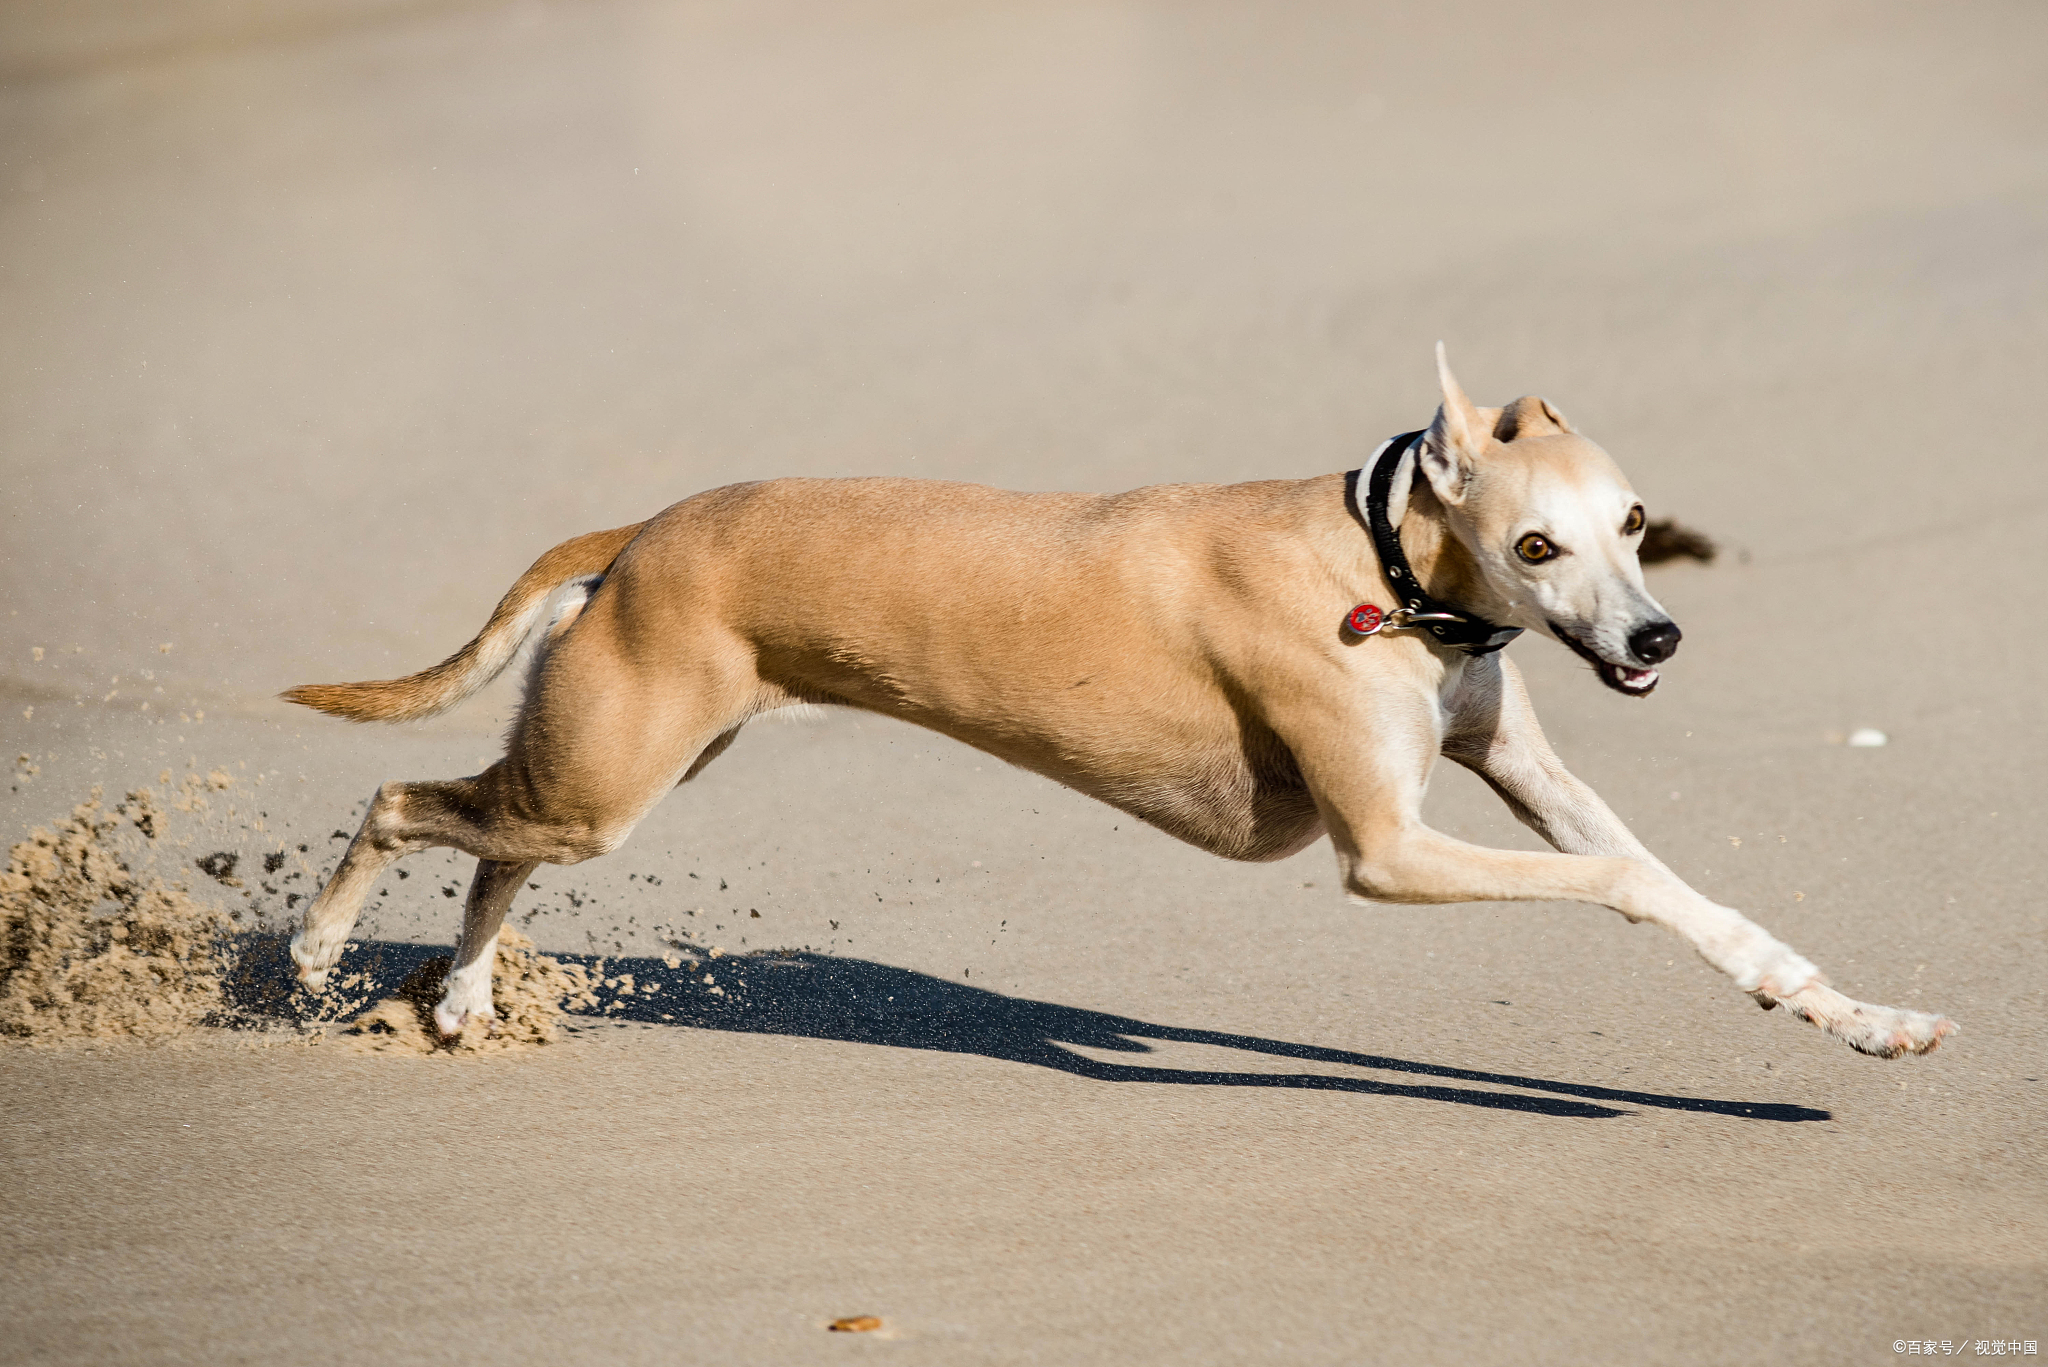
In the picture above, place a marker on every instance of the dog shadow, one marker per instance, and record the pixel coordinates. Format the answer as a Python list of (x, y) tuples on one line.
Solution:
[(825, 997)]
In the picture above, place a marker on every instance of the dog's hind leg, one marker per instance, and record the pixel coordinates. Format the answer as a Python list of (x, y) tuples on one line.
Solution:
[(379, 842), (504, 816), (603, 735), (468, 991), (404, 818)]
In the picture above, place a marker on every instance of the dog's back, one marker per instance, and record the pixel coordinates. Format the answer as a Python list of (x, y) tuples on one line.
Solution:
[(1087, 637)]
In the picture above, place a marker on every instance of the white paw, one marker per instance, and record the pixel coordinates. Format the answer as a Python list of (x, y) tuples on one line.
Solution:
[(312, 965), (450, 1017), (1881, 1031)]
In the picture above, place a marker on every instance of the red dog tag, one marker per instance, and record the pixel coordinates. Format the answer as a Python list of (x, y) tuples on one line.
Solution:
[(1365, 619)]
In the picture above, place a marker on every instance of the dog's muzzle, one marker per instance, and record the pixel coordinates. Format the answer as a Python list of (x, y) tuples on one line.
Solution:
[(1652, 644)]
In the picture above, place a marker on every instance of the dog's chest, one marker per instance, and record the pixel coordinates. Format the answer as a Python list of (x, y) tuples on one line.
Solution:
[(1453, 676)]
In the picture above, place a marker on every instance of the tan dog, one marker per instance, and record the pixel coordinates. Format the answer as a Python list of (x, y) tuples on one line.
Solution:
[(1180, 652)]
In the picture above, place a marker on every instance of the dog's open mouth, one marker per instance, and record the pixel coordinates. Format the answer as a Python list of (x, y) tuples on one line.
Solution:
[(1634, 682), (1624, 679)]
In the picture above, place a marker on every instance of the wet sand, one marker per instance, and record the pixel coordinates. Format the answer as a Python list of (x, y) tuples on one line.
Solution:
[(321, 321)]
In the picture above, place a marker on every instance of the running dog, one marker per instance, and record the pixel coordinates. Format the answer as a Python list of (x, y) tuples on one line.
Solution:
[(1246, 667)]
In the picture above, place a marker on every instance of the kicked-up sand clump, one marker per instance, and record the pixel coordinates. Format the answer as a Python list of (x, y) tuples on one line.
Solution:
[(89, 949), (94, 946), (531, 992)]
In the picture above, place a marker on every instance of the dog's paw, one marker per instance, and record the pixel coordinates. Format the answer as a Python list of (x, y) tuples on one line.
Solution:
[(312, 964), (1880, 1031), (451, 1018), (466, 999), (465, 1005)]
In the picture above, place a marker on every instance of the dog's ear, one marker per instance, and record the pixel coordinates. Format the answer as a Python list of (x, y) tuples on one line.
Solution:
[(1452, 445), (1529, 417)]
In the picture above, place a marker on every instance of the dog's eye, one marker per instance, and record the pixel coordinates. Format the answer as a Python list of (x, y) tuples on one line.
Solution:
[(1634, 523), (1534, 548)]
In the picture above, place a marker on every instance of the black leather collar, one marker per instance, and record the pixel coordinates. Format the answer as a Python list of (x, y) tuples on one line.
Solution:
[(1466, 631)]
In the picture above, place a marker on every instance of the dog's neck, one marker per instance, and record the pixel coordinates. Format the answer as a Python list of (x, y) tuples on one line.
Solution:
[(1442, 563)]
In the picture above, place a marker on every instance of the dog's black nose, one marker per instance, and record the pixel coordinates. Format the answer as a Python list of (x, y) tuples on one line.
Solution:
[(1656, 642)]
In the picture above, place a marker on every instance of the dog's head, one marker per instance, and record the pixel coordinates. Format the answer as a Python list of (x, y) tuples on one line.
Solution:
[(1553, 528)]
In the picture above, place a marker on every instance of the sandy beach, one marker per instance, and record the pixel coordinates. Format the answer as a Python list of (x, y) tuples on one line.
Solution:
[(320, 320)]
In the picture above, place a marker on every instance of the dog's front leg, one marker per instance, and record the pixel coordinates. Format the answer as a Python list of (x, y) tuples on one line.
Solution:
[(1493, 731), (1366, 754)]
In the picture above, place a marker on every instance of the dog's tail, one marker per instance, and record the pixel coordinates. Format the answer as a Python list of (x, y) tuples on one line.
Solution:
[(441, 687)]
